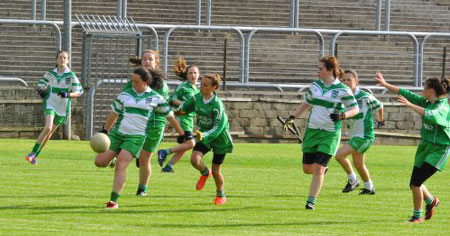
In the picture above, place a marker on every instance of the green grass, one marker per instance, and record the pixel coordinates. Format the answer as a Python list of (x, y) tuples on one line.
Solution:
[(265, 186)]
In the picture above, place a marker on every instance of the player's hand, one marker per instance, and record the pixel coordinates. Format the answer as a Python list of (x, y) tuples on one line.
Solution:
[(63, 94), (104, 130), (337, 116), (179, 112), (180, 139), (379, 124), (199, 135), (289, 121), (403, 101), (380, 79), (42, 92)]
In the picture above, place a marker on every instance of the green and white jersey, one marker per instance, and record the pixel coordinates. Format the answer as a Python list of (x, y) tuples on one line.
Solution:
[(436, 121), (211, 117), (136, 109), (157, 120), (326, 99), (184, 91), (59, 82), (362, 125)]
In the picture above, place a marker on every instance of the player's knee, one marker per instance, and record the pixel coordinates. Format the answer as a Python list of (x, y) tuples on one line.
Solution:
[(190, 143), (307, 169), (215, 172), (195, 160), (99, 163), (47, 129)]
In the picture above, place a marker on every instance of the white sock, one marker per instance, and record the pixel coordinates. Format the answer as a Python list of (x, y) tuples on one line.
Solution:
[(368, 185), (352, 177)]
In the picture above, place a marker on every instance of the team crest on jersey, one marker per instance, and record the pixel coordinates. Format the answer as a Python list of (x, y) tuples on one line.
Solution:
[(334, 94), (68, 79), (152, 102)]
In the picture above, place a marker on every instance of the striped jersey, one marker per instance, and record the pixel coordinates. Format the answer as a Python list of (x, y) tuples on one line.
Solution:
[(326, 99), (362, 125), (436, 121), (56, 82), (136, 109), (158, 120), (211, 117)]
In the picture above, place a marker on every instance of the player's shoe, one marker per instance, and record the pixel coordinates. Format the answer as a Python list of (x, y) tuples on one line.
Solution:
[(350, 186), (31, 158), (112, 205), (430, 208), (201, 182), (415, 220), (112, 164), (161, 157), (367, 191), (141, 193), (220, 200), (167, 169), (310, 206)]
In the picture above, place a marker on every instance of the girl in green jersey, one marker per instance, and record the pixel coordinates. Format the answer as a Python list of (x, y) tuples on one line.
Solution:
[(56, 88), (330, 102), (215, 135), (189, 76), (133, 110), (434, 148), (361, 133), (150, 61)]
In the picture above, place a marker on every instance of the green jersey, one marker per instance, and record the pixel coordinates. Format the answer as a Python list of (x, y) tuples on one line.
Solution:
[(157, 120), (136, 109), (211, 117), (436, 121), (362, 125), (184, 91), (56, 82), (326, 99)]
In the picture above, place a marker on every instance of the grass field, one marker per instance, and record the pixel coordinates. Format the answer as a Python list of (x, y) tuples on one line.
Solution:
[(265, 187)]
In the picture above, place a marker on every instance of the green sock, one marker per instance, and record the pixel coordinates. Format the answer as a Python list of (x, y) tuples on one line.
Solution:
[(205, 171), (114, 196), (220, 193), (36, 148), (143, 187), (417, 213), (38, 152), (429, 200), (311, 200)]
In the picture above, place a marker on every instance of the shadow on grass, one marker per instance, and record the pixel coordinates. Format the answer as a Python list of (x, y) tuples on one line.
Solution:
[(121, 211)]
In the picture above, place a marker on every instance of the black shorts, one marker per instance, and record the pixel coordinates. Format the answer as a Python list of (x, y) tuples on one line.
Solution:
[(316, 157), (420, 175), (217, 158)]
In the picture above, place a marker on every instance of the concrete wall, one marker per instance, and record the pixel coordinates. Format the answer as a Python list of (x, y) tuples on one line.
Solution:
[(252, 116)]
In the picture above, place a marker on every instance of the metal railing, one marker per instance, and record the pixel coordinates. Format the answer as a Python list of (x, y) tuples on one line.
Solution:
[(13, 79), (53, 24), (378, 33)]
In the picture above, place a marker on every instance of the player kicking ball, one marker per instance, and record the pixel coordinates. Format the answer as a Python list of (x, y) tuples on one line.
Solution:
[(214, 128)]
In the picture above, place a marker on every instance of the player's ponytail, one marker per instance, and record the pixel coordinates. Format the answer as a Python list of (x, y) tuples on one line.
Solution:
[(446, 84), (158, 78), (440, 87)]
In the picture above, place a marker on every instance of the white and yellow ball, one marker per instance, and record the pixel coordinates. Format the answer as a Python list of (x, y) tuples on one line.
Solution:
[(100, 142)]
